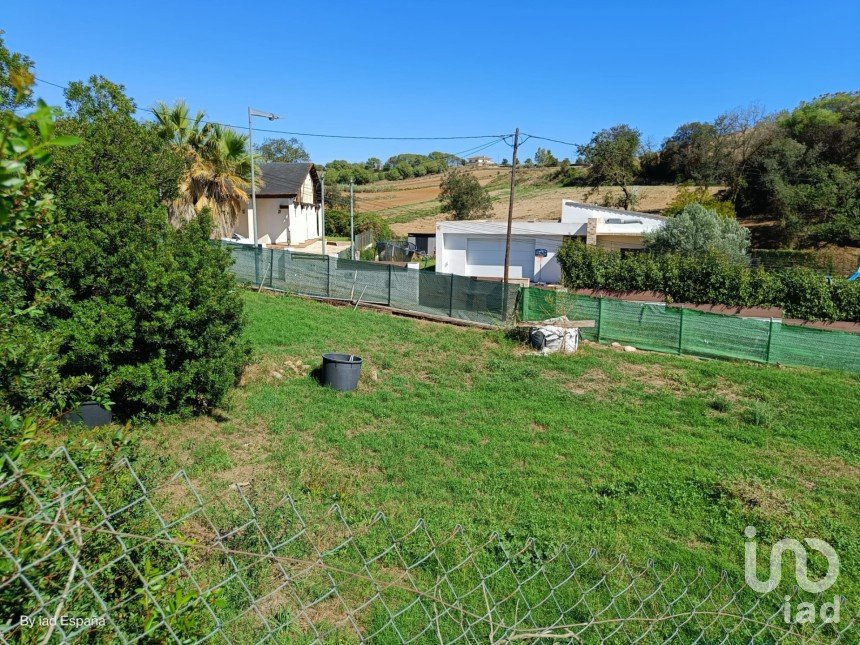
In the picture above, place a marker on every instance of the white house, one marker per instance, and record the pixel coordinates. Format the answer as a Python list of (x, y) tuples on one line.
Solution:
[(477, 248), (480, 160), (288, 205)]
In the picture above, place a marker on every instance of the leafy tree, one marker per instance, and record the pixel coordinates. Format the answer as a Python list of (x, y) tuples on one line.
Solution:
[(217, 167), (695, 153), (464, 197), (149, 311), (545, 158), (373, 164), (805, 172), (285, 150), (697, 231), (612, 157), (29, 377), (505, 162), (16, 78)]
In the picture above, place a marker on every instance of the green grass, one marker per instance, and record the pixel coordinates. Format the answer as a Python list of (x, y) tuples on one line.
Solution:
[(649, 455)]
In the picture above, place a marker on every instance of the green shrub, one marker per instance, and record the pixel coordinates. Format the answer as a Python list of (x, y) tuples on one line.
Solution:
[(701, 196), (149, 311), (846, 298), (697, 230), (711, 278), (804, 293), (29, 377), (337, 223)]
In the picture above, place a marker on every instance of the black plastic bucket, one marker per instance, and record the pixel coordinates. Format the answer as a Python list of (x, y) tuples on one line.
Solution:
[(341, 371), (90, 414)]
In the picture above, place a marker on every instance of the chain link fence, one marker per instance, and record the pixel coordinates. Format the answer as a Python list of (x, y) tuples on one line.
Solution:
[(94, 554), (677, 330), (427, 292)]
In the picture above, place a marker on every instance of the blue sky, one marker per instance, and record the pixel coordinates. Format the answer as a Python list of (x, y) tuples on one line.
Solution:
[(556, 69)]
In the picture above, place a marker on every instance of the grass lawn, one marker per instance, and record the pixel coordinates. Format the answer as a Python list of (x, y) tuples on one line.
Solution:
[(649, 455)]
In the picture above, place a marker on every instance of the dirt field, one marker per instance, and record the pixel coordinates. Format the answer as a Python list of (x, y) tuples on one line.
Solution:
[(413, 206)]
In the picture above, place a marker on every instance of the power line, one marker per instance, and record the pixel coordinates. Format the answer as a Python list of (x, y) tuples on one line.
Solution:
[(319, 135), (564, 143)]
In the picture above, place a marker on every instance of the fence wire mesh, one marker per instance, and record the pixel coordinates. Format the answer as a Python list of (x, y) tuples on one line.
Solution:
[(483, 301), (94, 553), (688, 331)]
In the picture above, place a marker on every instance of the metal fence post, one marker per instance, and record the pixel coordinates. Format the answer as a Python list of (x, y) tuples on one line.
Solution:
[(681, 333), (526, 313), (328, 277), (600, 320), (390, 273), (769, 342), (451, 297), (271, 268)]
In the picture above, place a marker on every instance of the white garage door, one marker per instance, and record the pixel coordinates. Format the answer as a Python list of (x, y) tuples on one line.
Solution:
[(486, 257)]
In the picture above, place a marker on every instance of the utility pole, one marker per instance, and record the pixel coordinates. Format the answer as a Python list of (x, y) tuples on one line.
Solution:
[(322, 210), (511, 208), (268, 115), (352, 219)]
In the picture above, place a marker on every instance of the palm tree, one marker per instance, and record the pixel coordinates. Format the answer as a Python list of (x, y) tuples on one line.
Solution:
[(217, 167)]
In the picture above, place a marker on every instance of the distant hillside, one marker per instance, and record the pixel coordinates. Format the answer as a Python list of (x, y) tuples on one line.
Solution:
[(412, 205)]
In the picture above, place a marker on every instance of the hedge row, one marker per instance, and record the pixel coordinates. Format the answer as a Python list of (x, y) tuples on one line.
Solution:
[(711, 279)]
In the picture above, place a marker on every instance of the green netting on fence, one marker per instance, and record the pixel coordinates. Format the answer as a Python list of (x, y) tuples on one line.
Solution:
[(706, 334), (426, 292), (648, 326), (792, 345), (688, 331)]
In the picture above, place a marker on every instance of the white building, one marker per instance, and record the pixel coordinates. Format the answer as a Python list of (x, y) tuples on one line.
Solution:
[(288, 205), (480, 160), (477, 248)]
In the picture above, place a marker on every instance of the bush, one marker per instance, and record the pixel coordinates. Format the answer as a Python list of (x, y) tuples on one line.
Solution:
[(701, 196), (696, 231), (149, 311), (710, 279), (29, 377), (337, 224)]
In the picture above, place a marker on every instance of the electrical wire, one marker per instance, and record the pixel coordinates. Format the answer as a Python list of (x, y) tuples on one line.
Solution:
[(313, 134), (564, 143)]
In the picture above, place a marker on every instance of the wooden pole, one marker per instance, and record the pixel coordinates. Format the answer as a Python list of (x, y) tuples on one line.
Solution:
[(511, 208)]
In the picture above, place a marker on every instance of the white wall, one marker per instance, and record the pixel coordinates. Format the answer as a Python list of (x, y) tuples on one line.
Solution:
[(303, 222), (451, 256), (611, 220)]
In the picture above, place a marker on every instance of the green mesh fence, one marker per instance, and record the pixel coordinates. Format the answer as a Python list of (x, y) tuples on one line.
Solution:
[(425, 292), (688, 331)]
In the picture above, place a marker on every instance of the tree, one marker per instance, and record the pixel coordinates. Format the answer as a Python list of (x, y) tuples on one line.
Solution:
[(697, 231), (284, 150), (696, 153), (612, 157), (149, 312), (505, 162), (217, 167), (16, 78), (464, 197), (545, 158), (801, 169), (374, 164), (29, 377)]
